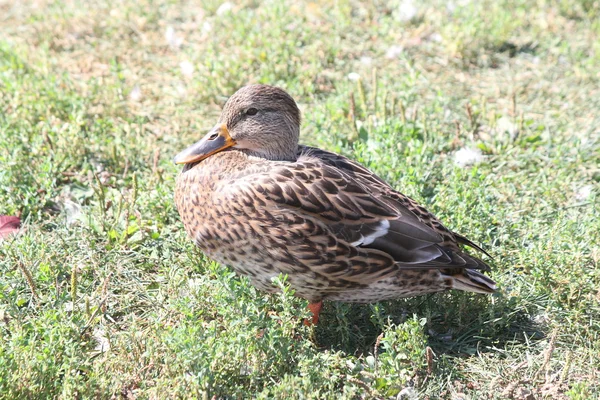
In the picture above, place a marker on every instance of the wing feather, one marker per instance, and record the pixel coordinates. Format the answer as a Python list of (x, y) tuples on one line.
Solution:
[(361, 229)]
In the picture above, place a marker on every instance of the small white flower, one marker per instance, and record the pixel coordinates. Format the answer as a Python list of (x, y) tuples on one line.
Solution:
[(187, 68), (394, 51), (468, 156), (353, 76), (224, 8)]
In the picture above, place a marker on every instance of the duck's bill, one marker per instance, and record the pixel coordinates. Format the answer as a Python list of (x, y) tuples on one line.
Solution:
[(216, 139)]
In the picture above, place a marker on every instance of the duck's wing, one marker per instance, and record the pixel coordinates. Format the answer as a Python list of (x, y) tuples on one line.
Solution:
[(346, 230), (451, 239)]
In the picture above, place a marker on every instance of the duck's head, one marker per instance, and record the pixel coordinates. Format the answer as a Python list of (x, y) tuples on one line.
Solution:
[(261, 120)]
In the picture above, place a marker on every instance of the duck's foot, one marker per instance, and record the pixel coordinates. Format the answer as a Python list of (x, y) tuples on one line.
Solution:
[(315, 309)]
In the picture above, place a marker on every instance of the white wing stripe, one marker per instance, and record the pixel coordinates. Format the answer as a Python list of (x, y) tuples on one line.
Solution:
[(381, 230)]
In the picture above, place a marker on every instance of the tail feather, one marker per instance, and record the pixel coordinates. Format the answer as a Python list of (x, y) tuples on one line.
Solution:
[(464, 241), (470, 280)]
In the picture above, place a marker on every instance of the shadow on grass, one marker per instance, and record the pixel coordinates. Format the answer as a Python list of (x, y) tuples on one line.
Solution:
[(513, 49), (458, 324)]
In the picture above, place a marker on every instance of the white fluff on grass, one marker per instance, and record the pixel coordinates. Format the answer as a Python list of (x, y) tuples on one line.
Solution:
[(394, 51), (135, 94), (187, 68), (365, 60), (224, 8), (354, 76), (583, 193), (72, 212), (505, 125), (407, 11), (172, 39), (102, 342), (468, 156)]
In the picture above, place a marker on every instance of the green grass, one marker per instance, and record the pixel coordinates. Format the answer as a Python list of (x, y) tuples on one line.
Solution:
[(118, 303)]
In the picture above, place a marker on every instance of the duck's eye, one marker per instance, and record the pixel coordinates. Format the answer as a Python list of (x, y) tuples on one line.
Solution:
[(251, 111), (213, 136)]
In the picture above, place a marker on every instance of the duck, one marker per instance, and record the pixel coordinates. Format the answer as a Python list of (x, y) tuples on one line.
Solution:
[(254, 199)]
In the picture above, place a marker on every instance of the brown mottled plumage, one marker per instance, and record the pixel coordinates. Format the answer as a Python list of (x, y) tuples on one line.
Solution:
[(253, 199)]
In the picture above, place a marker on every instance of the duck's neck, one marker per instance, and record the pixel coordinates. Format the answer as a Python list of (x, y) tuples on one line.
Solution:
[(266, 154)]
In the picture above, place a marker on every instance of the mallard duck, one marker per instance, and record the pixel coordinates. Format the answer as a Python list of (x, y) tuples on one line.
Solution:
[(252, 198)]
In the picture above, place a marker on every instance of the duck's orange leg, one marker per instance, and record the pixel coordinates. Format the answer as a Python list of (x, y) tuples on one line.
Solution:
[(315, 309)]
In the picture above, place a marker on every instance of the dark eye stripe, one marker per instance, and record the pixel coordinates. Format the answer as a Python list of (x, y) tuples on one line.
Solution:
[(243, 114)]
